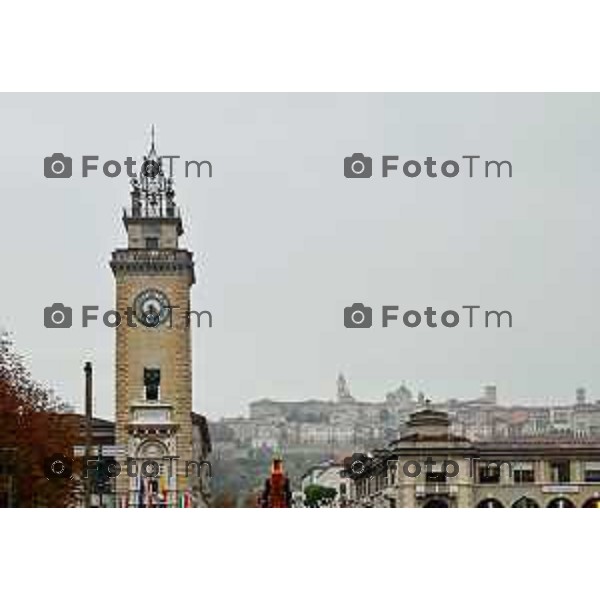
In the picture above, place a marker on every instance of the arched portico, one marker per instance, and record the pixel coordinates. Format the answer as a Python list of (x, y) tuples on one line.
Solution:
[(436, 503), (151, 485), (560, 503), (591, 503), (152, 450), (490, 503), (525, 502)]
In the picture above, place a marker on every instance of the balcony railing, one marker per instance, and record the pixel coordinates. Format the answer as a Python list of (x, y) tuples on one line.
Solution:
[(152, 211), (143, 255)]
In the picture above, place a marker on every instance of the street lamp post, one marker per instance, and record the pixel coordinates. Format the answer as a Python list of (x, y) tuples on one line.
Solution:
[(87, 369)]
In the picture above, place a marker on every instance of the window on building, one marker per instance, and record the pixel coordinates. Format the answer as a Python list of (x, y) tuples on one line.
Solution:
[(523, 472), (489, 473), (152, 243), (392, 474), (560, 471), (592, 472), (152, 384)]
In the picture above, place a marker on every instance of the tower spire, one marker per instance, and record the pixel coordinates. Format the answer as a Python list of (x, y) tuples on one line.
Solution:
[(152, 153), (152, 192), (153, 145)]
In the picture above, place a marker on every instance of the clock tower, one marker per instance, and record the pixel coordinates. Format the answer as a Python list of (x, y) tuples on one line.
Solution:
[(153, 277)]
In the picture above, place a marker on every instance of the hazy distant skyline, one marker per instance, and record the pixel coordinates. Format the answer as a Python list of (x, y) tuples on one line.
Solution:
[(283, 242)]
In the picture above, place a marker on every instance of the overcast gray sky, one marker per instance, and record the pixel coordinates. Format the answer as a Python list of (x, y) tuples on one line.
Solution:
[(283, 241)]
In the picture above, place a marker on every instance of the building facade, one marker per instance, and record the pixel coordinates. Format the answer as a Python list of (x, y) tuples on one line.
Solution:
[(431, 467)]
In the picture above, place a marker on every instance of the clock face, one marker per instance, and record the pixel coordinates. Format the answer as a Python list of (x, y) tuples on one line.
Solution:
[(151, 307)]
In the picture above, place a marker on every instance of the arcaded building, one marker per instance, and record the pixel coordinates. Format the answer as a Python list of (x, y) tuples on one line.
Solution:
[(431, 467)]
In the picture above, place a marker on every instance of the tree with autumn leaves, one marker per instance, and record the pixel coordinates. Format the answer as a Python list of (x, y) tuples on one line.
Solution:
[(34, 425)]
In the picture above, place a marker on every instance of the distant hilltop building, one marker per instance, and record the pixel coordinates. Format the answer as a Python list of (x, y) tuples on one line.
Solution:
[(346, 423), (343, 390)]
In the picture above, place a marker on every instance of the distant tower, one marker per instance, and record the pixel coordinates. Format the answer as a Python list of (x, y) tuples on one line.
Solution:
[(402, 396), (153, 277), (490, 394), (343, 390), (580, 395)]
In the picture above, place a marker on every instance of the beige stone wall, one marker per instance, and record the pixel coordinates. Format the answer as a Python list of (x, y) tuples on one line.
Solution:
[(165, 232), (162, 347)]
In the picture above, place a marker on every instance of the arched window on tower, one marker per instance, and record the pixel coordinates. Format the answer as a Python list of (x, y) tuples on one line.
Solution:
[(152, 384)]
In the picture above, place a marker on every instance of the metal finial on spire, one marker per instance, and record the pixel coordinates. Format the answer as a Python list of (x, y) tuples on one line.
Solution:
[(153, 140)]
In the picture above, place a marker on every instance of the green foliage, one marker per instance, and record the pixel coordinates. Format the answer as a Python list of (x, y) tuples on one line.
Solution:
[(317, 495)]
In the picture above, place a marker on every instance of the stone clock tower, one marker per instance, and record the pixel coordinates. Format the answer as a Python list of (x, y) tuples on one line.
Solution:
[(153, 278)]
